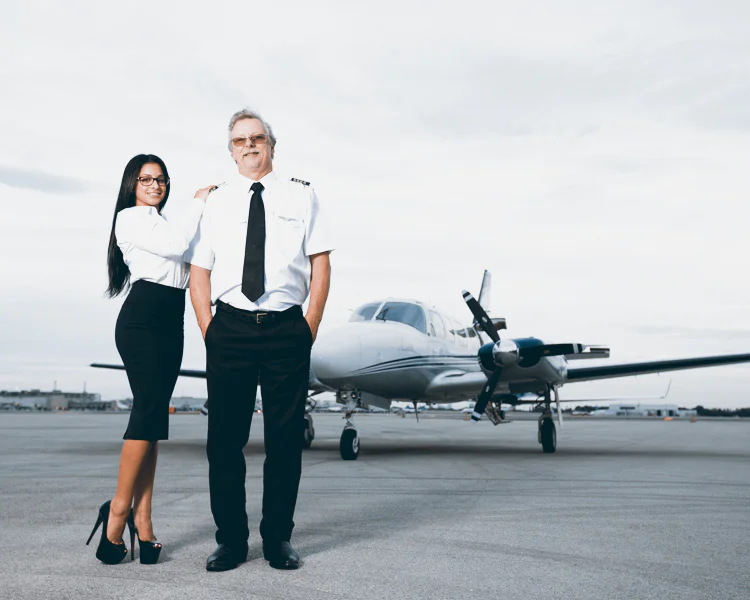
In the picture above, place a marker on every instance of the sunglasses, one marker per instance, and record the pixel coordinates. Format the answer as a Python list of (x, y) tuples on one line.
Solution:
[(255, 140)]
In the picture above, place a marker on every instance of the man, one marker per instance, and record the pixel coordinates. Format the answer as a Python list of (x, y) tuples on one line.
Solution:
[(261, 248)]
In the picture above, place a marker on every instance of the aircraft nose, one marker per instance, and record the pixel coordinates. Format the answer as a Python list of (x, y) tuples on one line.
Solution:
[(337, 353)]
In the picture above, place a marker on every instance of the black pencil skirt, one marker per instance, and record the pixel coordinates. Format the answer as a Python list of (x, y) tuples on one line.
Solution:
[(150, 338)]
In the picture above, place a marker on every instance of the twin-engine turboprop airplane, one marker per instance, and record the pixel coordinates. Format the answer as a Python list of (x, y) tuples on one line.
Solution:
[(404, 350)]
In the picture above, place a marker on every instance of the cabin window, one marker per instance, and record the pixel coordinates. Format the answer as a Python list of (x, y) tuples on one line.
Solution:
[(459, 332), (364, 312), (404, 312), (437, 329), (450, 330)]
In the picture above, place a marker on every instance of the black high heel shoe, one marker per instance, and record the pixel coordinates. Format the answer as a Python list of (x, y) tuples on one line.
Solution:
[(107, 552), (149, 551)]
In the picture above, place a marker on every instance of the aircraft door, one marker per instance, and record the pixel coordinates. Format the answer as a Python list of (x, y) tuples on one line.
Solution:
[(437, 332)]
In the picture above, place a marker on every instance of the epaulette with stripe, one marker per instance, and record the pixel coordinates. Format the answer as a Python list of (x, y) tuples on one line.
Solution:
[(300, 181)]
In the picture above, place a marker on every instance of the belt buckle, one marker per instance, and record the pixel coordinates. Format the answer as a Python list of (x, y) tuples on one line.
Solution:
[(260, 317)]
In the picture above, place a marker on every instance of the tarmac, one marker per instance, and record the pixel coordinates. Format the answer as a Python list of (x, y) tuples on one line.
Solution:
[(437, 509)]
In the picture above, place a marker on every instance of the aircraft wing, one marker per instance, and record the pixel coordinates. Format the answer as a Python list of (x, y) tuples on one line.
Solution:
[(656, 366), (183, 372), (313, 383)]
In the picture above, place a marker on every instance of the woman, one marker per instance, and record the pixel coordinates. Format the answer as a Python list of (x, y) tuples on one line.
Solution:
[(146, 251)]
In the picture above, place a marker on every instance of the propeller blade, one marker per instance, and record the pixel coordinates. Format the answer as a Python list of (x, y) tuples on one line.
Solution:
[(486, 394), (484, 321)]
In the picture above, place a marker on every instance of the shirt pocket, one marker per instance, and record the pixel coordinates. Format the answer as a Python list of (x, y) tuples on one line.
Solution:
[(289, 233)]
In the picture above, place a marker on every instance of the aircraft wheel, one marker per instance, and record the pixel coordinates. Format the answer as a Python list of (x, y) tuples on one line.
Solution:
[(308, 433), (349, 444), (548, 435)]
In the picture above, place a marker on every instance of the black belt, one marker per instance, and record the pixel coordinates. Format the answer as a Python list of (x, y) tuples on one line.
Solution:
[(258, 317)]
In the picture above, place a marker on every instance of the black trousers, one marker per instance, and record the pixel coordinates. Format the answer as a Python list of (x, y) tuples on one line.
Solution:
[(240, 353), (149, 335)]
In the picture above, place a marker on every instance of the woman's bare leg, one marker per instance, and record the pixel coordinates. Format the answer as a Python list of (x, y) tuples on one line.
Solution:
[(132, 457), (143, 493)]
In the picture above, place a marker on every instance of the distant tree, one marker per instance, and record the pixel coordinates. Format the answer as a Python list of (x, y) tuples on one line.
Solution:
[(701, 411)]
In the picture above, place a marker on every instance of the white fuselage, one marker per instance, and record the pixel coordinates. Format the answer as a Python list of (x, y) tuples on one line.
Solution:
[(399, 361)]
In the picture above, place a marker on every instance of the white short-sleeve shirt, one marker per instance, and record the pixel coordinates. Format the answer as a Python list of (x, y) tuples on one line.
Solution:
[(296, 229), (153, 245)]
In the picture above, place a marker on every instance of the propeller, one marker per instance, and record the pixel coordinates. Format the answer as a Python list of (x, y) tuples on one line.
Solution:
[(487, 326), (481, 317), (502, 353), (486, 394)]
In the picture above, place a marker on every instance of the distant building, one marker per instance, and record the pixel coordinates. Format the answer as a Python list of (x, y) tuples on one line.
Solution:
[(643, 410), (187, 403), (53, 400)]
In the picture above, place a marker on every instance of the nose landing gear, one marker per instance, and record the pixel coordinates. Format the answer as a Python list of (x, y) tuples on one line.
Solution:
[(349, 442)]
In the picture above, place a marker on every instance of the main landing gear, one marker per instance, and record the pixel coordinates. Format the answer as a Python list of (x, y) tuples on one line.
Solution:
[(547, 435), (308, 432), (349, 443)]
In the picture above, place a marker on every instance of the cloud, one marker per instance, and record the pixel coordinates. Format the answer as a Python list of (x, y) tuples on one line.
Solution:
[(42, 182), (593, 158)]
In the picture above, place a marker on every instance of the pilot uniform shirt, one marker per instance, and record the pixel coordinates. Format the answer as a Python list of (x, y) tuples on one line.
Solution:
[(153, 245), (295, 230)]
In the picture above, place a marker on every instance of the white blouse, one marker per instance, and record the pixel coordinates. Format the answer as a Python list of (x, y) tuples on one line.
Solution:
[(152, 245)]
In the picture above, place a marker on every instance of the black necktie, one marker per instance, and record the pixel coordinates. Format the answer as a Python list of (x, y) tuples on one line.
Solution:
[(255, 246)]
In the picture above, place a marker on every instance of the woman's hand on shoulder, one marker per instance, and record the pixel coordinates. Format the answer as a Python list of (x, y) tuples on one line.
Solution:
[(202, 194)]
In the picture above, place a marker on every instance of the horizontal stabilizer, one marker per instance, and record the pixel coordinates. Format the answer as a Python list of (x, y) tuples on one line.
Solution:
[(560, 349), (534, 353), (497, 322), (589, 352)]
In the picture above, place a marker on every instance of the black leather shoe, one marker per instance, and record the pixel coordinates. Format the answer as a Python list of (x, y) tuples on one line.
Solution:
[(281, 555), (225, 558)]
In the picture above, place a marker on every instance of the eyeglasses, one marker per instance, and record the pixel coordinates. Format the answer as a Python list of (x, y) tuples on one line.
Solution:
[(255, 140), (148, 180)]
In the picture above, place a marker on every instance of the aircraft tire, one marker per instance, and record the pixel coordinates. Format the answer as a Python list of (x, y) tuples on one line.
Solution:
[(308, 433), (349, 444), (548, 435)]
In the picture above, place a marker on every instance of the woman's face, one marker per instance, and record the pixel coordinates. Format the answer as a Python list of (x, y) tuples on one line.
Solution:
[(151, 186)]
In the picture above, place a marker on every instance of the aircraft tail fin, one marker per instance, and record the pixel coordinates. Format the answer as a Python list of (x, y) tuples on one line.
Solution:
[(485, 292), (485, 301)]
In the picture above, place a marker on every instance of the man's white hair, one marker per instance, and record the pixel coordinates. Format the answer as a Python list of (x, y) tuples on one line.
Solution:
[(246, 113)]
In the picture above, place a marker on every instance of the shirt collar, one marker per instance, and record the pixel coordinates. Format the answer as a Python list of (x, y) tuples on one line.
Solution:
[(269, 180)]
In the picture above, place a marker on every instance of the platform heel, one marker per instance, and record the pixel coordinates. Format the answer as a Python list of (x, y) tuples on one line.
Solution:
[(107, 552), (148, 551)]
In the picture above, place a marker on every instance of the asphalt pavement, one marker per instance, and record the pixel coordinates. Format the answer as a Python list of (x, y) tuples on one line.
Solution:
[(436, 509)]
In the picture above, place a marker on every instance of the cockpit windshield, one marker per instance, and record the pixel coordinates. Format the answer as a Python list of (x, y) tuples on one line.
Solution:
[(404, 312), (364, 312)]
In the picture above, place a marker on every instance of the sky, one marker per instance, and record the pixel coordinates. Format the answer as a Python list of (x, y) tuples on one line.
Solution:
[(592, 155)]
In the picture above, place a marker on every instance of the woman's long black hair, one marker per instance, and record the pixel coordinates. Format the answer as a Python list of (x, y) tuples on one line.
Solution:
[(119, 274)]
